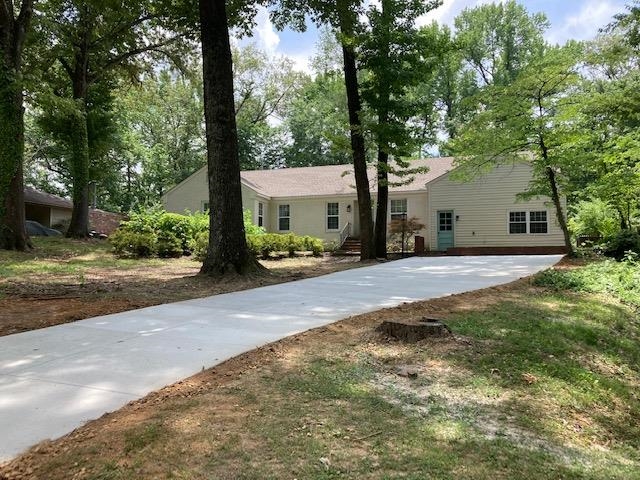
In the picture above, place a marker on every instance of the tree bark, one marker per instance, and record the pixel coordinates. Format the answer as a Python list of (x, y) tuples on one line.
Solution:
[(354, 105), (79, 141), (383, 200), (227, 251), (79, 225), (13, 235), (562, 221)]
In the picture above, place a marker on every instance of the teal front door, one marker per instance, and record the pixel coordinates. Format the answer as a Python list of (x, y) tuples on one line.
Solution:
[(445, 229)]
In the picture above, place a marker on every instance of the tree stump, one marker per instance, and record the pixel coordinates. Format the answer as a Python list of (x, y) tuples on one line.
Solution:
[(414, 330)]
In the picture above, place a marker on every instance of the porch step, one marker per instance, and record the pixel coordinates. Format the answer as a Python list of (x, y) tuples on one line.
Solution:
[(351, 245)]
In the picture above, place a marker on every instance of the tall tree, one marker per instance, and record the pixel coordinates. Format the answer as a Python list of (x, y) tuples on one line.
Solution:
[(88, 43), (227, 251), (529, 119), (14, 26), (392, 58), (342, 16), (498, 40)]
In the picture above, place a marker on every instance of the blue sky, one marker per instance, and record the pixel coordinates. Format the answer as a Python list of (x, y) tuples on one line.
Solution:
[(570, 19)]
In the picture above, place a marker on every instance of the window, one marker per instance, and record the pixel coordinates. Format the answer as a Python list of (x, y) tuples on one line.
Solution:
[(528, 222), (445, 220), (284, 217), (517, 222), (333, 216), (260, 214), (538, 222), (399, 209)]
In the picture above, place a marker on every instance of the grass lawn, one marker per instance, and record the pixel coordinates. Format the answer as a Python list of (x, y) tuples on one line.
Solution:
[(540, 381)]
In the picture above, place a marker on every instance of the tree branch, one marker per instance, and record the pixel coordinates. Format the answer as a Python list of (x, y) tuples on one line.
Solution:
[(118, 59)]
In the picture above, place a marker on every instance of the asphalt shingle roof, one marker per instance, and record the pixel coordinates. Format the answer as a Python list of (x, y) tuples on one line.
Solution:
[(31, 195), (332, 180)]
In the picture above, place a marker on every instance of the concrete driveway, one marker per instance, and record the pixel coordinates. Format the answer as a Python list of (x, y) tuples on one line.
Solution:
[(55, 379)]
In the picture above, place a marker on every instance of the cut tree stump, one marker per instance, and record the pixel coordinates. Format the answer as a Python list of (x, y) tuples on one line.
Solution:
[(414, 330)]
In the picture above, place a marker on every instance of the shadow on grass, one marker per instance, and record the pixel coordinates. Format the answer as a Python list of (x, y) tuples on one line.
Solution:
[(576, 355)]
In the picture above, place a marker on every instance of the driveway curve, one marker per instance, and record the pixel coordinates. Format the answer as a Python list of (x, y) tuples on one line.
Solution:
[(55, 379)]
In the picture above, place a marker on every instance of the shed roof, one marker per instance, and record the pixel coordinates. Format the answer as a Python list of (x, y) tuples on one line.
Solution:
[(335, 179), (31, 195)]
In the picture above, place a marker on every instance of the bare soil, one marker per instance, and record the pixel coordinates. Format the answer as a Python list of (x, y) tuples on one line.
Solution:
[(40, 301), (83, 453)]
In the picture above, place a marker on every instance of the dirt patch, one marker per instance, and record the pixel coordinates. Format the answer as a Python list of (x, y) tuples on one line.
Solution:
[(39, 301), (215, 393)]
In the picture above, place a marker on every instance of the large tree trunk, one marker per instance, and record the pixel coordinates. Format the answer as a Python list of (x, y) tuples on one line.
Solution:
[(79, 225), (79, 141), (383, 200), (13, 235), (227, 251), (357, 143)]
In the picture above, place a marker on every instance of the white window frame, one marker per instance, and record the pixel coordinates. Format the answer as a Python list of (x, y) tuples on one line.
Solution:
[(528, 222), (546, 222), (282, 217), (333, 215), (260, 216), (399, 214)]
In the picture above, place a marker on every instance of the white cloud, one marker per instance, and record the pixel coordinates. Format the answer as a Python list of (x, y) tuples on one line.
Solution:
[(266, 35), (585, 23)]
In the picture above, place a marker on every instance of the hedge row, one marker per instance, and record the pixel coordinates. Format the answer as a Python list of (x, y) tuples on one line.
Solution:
[(156, 232), (265, 244)]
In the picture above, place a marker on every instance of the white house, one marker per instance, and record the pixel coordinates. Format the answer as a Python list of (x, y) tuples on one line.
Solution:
[(482, 215)]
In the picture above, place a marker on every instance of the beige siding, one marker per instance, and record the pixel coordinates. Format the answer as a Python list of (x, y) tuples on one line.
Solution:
[(481, 208), (59, 215), (416, 207), (309, 216), (188, 195), (193, 193)]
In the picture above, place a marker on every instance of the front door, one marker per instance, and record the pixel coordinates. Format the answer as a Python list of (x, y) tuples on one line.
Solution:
[(445, 229)]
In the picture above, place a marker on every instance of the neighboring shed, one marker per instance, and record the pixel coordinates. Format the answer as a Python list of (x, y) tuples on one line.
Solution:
[(55, 212), (45, 208)]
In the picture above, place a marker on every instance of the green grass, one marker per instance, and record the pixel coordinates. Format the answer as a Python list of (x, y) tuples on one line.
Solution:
[(61, 256), (620, 279)]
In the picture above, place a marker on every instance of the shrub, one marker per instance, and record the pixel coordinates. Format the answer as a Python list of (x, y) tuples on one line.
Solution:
[(176, 226), (618, 279), (169, 245), (624, 241), (251, 228), (134, 244), (594, 218), (199, 245), (313, 245), (199, 223)]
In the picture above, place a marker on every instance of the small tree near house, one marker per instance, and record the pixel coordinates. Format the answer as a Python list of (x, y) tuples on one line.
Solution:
[(403, 230)]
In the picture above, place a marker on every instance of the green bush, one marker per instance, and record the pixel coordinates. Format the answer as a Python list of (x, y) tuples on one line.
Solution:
[(134, 244), (169, 245), (199, 223), (619, 279), (594, 218), (174, 225), (199, 245), (624, 241), (251, 228)]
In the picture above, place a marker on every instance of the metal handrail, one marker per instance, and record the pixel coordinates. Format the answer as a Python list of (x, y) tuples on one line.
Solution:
[(345, 233)]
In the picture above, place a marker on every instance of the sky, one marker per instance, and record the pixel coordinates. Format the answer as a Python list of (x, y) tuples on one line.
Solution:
[(570, 19)]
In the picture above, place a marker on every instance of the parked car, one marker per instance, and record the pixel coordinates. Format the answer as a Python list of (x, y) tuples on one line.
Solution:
[(35, 229)]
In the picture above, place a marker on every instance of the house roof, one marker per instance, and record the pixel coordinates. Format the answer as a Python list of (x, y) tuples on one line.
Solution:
[(31, 195), (335, 179)]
